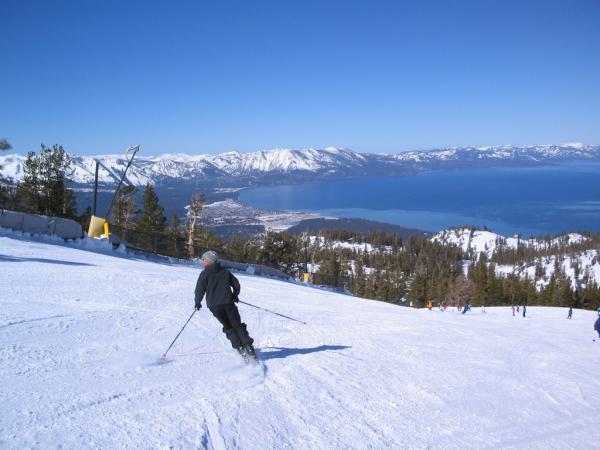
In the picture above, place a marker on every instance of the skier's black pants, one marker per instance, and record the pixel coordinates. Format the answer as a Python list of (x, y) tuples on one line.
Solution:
[(233, 327)]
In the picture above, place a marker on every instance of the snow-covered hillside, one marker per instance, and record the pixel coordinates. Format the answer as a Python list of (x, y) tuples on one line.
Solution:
[(330, 161), (81, 333), (587, 264), (475, 242), (321, 242), (480, 241)]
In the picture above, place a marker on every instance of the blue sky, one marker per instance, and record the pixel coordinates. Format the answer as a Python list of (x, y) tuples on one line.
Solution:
[(373, 76)]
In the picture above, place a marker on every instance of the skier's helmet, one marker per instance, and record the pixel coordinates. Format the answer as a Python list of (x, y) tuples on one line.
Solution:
[(210, 256)]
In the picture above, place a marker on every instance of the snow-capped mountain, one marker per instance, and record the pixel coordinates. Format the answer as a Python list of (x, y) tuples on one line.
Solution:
[(535, 154), (288, 165)]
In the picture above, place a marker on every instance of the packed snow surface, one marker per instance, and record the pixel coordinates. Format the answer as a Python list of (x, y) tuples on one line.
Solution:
[(82, 331)]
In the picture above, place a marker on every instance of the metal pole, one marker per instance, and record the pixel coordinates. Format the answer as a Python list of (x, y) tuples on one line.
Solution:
[(164, 355), (135, 150), (95, 188), (306, 256), (273, 312)]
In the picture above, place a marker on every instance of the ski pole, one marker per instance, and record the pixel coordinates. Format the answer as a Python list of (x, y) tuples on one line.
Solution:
[(164, 355), (273, 312)]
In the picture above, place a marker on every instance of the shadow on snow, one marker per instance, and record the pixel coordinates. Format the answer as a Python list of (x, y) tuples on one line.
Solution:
[(42, 260), (280, 352)]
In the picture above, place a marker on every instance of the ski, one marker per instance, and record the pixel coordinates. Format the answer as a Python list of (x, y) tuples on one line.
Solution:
[(248, 354)]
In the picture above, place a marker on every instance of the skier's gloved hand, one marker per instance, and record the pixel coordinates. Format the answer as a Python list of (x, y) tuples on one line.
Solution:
[(236, 299), (198, 306)]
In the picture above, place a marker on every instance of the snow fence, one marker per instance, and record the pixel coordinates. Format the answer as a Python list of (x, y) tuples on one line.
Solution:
[(37, 224), (256, 269)]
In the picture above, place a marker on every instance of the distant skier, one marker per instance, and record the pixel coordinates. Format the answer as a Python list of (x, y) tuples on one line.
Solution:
[(513, 310), (524, 310), (222, 289), (570, 314), (466, 308), (597, 324)]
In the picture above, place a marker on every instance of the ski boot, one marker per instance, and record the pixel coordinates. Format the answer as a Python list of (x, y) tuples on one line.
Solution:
[(243, 353), (250, 353)]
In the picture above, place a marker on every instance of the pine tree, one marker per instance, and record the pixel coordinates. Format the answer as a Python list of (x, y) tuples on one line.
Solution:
[(495, 294), (175, 235), (530, 294), (57, 199), (124, 211), (30, 188), (152, 218), (237, 248), (564, 292), (384, 288), (44, 187), (478, 274), (417, 291), (175, 227), (359, 279), (281, 250), (590, 296)]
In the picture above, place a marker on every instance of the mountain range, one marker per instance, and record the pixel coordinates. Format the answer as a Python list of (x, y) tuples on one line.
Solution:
[(288, 165)]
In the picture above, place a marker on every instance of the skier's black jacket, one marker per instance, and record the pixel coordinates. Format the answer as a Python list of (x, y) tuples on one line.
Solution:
[(217, 283)]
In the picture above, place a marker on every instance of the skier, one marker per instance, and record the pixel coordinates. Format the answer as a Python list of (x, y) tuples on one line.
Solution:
[(513, 310), (222, 289), (570, 315), (524, 310), (597, 324)]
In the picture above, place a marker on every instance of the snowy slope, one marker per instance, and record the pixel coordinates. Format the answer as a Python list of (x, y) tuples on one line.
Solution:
[(81, 331), (316, 162)]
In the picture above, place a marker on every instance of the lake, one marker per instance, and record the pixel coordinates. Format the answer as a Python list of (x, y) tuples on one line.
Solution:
[(527, 201)]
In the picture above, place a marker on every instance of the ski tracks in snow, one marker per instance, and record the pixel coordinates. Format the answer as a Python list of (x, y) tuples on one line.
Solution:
[(81, 342), (214, 439)]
